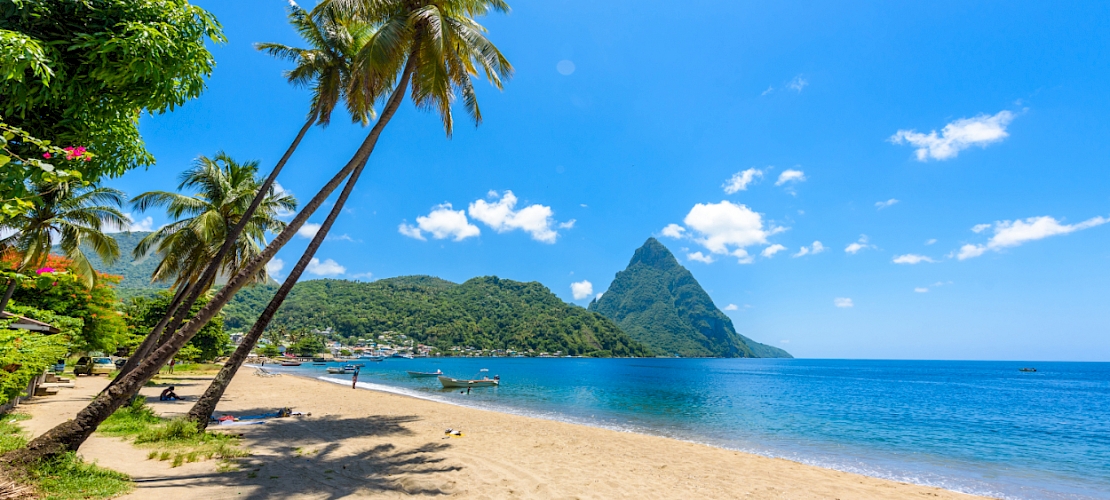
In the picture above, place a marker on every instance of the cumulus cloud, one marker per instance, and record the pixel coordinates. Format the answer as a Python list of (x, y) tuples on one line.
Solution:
[(813, 249), (502, 216), (921, 289), (367, 276), (790, 175), (568, 224), (327, 267), (772, 250), (797, 84), (740, 180), (146, 224), (930, 241), (308, 230), (442, 222), (957, 136), (770, 88), (1014, 233), (674, 231), (274, 267), (726, 228), (912, 259), (843, 302), (860, 244), (731, 307), (700, 257), (581, 289), (884, 204)]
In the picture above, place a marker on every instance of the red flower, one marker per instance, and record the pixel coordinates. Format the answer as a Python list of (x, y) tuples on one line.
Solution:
[(46, 155), (45, 270)]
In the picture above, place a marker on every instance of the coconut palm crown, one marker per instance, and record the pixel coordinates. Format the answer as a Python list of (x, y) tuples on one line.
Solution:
[(73, 216), (224, 190)]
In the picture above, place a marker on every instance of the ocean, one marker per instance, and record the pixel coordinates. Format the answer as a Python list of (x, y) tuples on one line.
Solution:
[(981, 427)]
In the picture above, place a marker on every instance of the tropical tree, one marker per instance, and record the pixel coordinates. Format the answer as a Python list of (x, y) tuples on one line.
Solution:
[(397, 53), (225, 188), (73, 215), (438, 47)]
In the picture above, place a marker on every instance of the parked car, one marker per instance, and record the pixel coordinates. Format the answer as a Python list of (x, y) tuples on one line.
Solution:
[(120, 362), (93, 366)]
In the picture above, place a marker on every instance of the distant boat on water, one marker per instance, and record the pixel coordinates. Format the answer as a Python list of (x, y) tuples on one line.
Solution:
[(290, 363), (1029, 370), (399, 355), (339, 370), (424, 374), (454, 383)]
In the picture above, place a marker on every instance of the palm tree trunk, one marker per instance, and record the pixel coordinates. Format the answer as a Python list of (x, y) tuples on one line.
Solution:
[(7, 295), (69, 435), (206, 405), (152, 338)]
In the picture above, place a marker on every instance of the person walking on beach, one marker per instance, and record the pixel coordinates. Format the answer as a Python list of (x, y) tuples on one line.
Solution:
[(172, 362)]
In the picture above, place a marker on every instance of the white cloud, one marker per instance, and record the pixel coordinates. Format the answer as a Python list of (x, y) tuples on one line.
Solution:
[(674, 231), (274, 267), (1013, 233), (770, 88), (725, 227), (740, 180), (700, 257), (568, 224), (797, 84), (581, 289), (921, 289), (814, 249), (342, 237), (442, 222), (772, 250), (326, 268), (884, 204), (860, 244), (146, 224), (790, 175), (367, 276), (731, 307), (565, 67), (598, 296), (978, 228), (843, 302), (742, 256), (501, 216), (308, 230), (957, 136), (930, 241), (912, 259), (280, 190)]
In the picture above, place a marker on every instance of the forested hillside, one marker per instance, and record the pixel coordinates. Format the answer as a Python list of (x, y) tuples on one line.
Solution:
[(485, 312)]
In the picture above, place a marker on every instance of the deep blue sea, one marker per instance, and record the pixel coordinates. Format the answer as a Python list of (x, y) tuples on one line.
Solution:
[(972, 426)]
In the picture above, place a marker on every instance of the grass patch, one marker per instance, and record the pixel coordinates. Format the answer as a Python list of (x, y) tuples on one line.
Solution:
[(190, 368), (63, 478), (177, 440)]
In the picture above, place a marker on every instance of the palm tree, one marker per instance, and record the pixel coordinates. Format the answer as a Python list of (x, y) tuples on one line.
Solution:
[(325, 68), (225, 190), (72, 215), (437, 46)]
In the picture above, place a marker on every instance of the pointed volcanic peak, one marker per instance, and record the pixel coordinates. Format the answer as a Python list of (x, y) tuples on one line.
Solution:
[(657, 302)]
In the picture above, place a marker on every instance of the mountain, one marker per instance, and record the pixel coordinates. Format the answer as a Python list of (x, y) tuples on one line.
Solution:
[(658, 302), (486, 312), (135, 273)]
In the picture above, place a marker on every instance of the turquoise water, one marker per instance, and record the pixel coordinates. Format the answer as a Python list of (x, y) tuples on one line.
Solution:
[(976, 427)]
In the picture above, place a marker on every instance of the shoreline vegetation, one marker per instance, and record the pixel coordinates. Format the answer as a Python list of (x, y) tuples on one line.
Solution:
[(392, 446)]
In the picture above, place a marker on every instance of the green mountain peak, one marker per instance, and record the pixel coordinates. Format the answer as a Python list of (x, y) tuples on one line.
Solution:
[(657, 302)]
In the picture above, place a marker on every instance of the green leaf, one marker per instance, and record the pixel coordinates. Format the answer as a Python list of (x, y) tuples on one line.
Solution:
[(4, 159)]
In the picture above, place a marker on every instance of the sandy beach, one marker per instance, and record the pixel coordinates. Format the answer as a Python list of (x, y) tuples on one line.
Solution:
[(366, 443)]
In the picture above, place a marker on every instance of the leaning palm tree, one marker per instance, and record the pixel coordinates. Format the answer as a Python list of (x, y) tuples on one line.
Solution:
[(434, 44), (225, 188), (325, 68), (73, 216)]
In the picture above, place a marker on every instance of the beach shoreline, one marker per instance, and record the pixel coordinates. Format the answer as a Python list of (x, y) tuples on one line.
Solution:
[(392, 445)]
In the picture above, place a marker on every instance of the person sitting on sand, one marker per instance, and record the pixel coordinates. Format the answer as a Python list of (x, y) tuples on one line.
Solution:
[(169, 395)]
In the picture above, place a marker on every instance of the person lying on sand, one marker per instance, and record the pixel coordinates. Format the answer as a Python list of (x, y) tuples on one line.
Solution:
[(169, 395)]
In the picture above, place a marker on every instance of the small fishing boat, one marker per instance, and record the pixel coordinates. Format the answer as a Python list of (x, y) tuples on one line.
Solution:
[(1028, 370), (399, 355), (455, 383), (424, 374), (290, 363), (372, 357), (340, 370)]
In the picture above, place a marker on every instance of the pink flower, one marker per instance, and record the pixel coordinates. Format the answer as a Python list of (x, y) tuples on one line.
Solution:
[(46, 155), (45, 270)]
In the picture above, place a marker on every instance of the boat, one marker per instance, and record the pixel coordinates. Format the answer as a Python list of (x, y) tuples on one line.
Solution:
[(1029, 370), (424, 374), (339, 370), (290, 363), (455, 383), (372, 357), (399, 355)]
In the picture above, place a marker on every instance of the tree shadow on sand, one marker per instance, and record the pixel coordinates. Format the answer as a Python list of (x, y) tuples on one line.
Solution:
[(309, 449)]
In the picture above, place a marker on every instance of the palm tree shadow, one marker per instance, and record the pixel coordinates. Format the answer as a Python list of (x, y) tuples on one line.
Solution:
[(311, 451)]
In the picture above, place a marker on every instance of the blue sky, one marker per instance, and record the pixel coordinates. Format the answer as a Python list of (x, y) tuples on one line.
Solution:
[(985, 121)]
